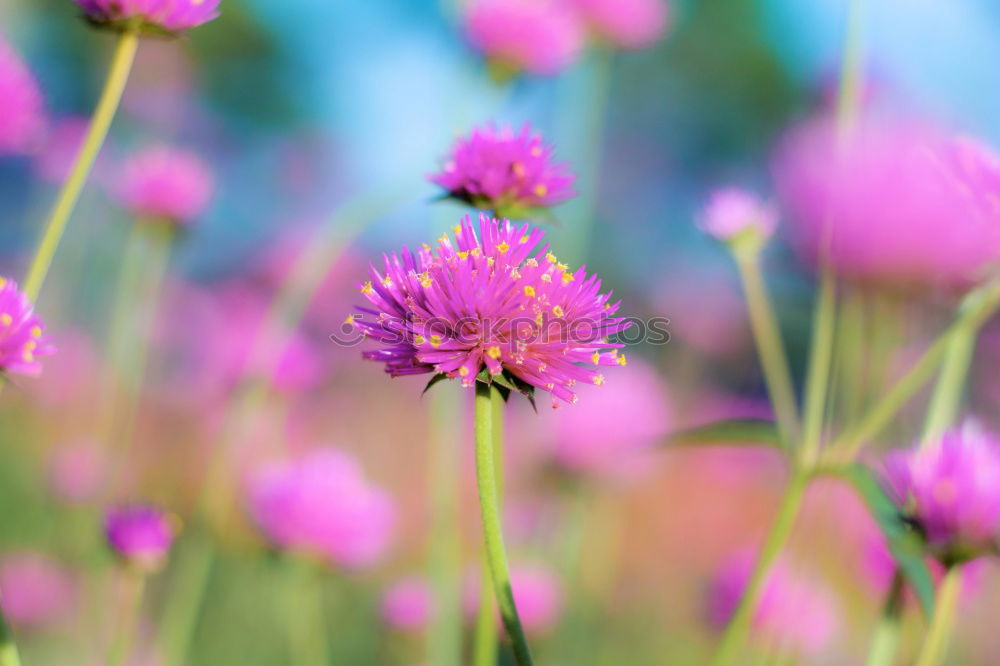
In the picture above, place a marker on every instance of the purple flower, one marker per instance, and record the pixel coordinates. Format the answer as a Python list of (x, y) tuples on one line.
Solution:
[(492, 302), (408, 604), (159, 15), (140, 534), (539, 36), (732, 213), (35, 590), (505, 172), (165, 183), (322, 504), (22, 334), (21, 113), (627, 24), (951, 488)]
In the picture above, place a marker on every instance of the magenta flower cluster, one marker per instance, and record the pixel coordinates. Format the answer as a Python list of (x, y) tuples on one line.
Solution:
[(140, 534), (491, 300), (163, 183), (22, 334), (21, 113), (731, 212), (950, 487), (169, 15), (507, 172)]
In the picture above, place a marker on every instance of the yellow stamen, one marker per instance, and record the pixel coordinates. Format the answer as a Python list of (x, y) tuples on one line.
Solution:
[(551, 258), (476, 252), (541, 190), (463, 371), (563, 267), (493, 352), (349, 321), (529, 291), (426, 282), (502, 248), (387, 281), (558, 311), (567, 278), (524, 240), (599, 380), (457, 229), (621, 360), (419, 339), (596, 358), (436, 341), (367, 288), (36, 331), (546, 277), (6, 319), (463, 255)]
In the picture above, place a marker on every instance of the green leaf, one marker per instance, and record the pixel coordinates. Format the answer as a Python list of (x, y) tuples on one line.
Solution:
[(434, 380), (734, 432), (905, 544)]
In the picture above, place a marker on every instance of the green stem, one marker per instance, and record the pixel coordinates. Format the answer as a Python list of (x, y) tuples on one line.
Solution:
[(770, 347), (492, 531), (885, 643), (9, 655), (304, 616), (950, 387), (936, 641), (820, 357), (104, 113), (122, 645), (179, 618), (736, 633)]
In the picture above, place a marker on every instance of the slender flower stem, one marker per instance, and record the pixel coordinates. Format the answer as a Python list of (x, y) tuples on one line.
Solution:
[(122, 646), (492, 531), (738, 629), (9, 655), (177, 623), (885, 643), (304, 616), (936, 641), (820, 364), (114, 86), (770, 347), (950, 387)]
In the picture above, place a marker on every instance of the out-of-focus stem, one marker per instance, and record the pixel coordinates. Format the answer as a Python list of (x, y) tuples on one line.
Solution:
[(100, 122), (885, 642), (122, 645), (950, 387), (492, 530), (9, 656), (188, 584), (938, 633), (304, 616), (736, 633), (820, 357), (770, 347)]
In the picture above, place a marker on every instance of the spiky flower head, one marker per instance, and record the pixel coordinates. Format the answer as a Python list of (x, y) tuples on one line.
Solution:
[(157, 16), (140, 534), (21, 114), (509, 173), (165, 183), (492, 306), (22, 334), (950, 488)]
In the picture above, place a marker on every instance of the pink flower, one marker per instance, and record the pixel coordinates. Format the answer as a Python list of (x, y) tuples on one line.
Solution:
[(489, 303), (794, 611), (22, 334), (76, 471), (906, 203), (140, 534), (732, 212), (408, 604), (505, 172), (540, 36), (165, 183), (21, 113), (35, 590), (157, 15), (627, 24), (951, 488), (538, 595), (321, 503)]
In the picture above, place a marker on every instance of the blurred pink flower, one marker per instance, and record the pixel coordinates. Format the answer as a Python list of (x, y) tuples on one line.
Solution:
[(169, 15), (906, 203), (538, 595), (539, 36), (140, 534), (321, 503), (505, 172), (731, 212), (165, 183), (35, 590), (76, 471), (795, 611), (627, 24), (620, 421), (21, 113), (22, 334), (951, 487), (408, 604)]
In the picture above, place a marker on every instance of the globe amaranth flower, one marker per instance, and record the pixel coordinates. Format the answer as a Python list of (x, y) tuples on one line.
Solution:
[(163, 183), (538, 36), (140, 534), (408, 604), (795, 611), (950, 488), (171, 16), (625, 24), (35, 590), (490, 302), (733, 215), (321, 504), (507, 172), (22, 334), (21, 113), (898, 202)]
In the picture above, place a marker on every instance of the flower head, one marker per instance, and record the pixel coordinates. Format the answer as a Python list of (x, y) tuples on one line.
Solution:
[(21, 114), (35, 590), (22, 334), (505, 172), (408, 604), (539, 36), (322, 504), (165, 183), (171, 16), (950, 487), (140, 534), (902, 203), (491, 302), (627, 24), (733, 213)]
